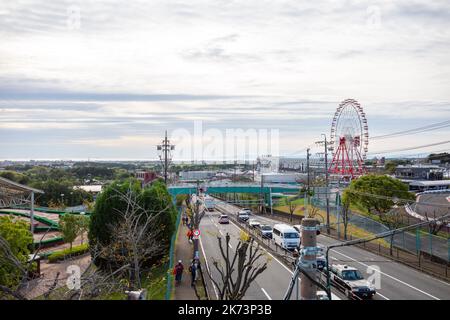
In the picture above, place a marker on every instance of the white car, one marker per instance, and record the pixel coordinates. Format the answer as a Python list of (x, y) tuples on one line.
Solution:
[(253, 223)]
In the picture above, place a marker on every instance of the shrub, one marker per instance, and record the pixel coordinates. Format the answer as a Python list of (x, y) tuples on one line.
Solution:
[(68, 253)]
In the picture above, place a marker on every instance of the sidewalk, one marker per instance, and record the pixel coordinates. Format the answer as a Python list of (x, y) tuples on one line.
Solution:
[(183, 252)]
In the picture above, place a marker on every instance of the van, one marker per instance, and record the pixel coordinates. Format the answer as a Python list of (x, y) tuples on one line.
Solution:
[(285, 236)]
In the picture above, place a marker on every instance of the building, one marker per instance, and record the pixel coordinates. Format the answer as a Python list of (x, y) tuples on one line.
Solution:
[(282, 177), (427, 185), (419, 172), (197, 175), (145, 177)]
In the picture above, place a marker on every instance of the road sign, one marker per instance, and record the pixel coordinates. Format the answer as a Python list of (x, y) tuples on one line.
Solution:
[(196, 234)]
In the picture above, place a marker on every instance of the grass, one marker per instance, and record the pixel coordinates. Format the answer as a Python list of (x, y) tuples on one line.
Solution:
[(284, 202)]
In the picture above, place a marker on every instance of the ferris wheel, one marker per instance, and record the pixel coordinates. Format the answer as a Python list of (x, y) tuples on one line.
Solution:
[(349, 139)]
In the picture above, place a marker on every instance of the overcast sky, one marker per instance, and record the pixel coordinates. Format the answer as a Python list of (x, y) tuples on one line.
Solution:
[(104, 79)]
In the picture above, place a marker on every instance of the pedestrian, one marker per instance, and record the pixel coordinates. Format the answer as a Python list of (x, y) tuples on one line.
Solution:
[(186, 220), (178, 272), (193, 270), (190, 234)]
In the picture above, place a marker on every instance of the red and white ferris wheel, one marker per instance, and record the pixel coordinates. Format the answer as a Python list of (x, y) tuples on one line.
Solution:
[(349, 139)]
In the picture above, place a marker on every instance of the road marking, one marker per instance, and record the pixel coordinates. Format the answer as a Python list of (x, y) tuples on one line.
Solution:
[(267, 295), (384, 297), (389, 276), (333, 296), (207, 267), (220, 231)]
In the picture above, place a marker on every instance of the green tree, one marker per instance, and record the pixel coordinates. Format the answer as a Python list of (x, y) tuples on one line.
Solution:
[(70, 228), (380, 195), (111, 205), (377, 193), (15, 242)]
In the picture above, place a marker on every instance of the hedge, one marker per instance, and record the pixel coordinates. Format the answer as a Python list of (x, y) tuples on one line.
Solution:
[(67, 253)]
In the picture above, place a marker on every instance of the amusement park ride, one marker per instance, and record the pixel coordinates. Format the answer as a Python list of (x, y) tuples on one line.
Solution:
[(349, 140)]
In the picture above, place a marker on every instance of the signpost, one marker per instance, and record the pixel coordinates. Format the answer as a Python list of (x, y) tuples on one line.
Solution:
[(196, 234)]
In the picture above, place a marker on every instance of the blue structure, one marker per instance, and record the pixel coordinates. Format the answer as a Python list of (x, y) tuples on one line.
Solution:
[(234, 188)]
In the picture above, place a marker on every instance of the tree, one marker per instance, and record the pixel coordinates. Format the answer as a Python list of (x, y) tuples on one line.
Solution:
[(435, 226), (195, 211), (70, 228), (15, 242), (238, 270), (135, 238), (111, 204), (377, 193), (381, 195), (83, 225), (292, 206), (345, 213)]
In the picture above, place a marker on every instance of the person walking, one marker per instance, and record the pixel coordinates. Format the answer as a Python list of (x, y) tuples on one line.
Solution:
[(190, 234), (193, 270), (178, 271)]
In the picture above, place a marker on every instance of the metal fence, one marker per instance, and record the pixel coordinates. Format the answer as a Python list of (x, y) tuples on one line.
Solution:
[(415, 241)]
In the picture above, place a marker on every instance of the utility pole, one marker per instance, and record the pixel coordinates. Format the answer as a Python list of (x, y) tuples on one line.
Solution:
[(308, 260), (325, 144), (308, 182), (165, 147)]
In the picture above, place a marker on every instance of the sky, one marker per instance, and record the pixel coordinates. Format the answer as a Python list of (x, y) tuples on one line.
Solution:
[(104, 79)]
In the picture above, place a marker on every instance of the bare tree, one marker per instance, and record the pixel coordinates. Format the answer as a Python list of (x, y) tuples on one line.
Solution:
[(292, 206), (345, 216), (393, 220), (238, 270), (197, 212), (134, 238), (435, 226)]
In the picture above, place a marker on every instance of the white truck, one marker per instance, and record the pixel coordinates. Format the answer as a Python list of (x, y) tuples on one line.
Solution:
[(209, 204)]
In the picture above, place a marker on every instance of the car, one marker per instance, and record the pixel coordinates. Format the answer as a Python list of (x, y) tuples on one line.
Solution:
[(265, 231), (243, 216), (223, 219), (249, 211), (321, 260), (285, 236), (352, 281), (253, 223)]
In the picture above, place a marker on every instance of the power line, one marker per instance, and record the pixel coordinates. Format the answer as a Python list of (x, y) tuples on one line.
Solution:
[(397, 199), (430, 127), (411, 148)]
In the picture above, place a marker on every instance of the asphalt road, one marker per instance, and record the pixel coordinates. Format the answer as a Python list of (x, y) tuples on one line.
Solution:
[(271, 284), (397, 281)]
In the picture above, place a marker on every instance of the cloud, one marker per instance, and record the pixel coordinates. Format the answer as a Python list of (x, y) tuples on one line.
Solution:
[(137, 69)]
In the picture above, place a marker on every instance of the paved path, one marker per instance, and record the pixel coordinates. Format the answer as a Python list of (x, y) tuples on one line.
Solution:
[(183, 252)]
